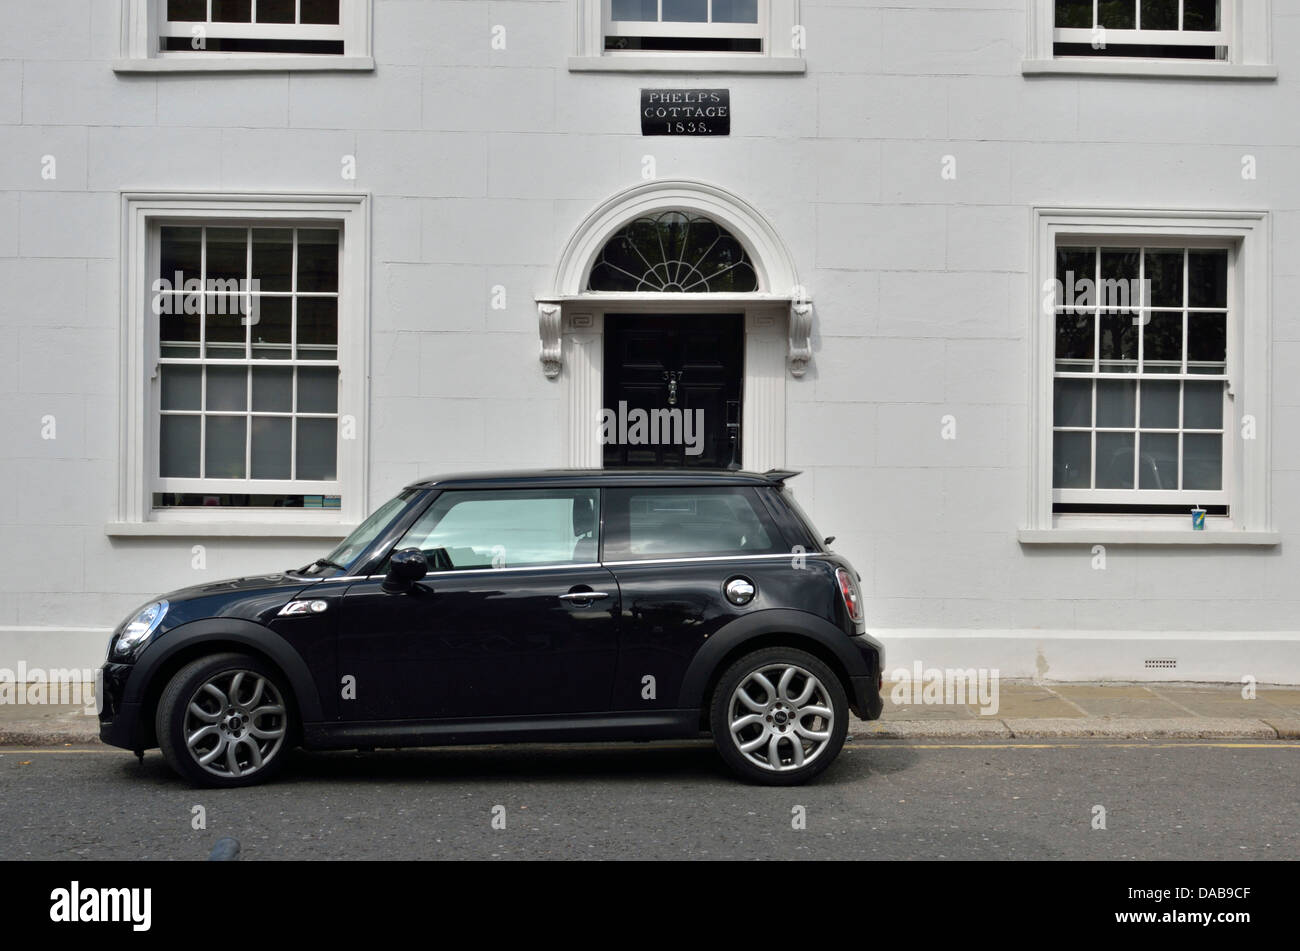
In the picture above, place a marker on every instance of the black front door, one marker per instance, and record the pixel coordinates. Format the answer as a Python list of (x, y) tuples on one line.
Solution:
[(673, 391)]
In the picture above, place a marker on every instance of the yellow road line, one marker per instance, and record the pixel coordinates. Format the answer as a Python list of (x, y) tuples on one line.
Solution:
[(702, 744)]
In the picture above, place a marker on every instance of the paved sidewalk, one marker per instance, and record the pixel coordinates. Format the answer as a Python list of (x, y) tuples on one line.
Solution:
[(1121, 711), (1132, 711)]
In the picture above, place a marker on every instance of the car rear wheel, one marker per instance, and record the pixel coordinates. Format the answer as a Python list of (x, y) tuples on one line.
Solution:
[(779, 716), (224, 720)]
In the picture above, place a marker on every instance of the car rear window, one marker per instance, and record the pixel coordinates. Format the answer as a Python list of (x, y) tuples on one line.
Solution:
[(655, 523)]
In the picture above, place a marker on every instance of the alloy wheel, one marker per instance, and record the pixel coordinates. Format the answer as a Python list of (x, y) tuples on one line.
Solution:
[(235, 723), (780, 717)]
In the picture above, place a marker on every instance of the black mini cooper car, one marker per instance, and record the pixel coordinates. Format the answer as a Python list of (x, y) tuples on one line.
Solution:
[(554, 605)]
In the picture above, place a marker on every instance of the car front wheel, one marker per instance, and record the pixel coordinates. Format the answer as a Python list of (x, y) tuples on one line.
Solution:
[(779, 716), (224, 720)]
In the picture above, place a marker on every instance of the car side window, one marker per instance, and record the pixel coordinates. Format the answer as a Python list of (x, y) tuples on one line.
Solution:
[(654, 523), (464, 530)]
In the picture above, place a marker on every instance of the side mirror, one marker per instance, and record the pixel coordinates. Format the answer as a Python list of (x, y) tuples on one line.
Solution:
[(405, 568)]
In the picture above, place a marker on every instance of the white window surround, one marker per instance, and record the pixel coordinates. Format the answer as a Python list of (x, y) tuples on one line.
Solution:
[(1250, 50), (1246, 476), (141, 212), (778, 317), (777, 26), (139, 46)]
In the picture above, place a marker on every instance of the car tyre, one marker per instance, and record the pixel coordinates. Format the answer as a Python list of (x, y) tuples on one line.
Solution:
[(778, 705), (225, 720)]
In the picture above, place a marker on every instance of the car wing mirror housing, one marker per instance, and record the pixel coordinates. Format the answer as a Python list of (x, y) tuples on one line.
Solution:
[(405, 568)]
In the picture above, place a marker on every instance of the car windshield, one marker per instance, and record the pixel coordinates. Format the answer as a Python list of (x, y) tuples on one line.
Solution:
[(365, 533)]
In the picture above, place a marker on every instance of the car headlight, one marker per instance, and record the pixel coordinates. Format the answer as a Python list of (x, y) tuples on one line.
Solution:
[(140, 627)]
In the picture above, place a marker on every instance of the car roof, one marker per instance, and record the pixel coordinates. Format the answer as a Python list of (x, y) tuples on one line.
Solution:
[(565, 478)]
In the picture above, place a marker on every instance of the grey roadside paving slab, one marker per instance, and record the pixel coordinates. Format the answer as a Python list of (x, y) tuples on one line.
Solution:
[(1025, 710)]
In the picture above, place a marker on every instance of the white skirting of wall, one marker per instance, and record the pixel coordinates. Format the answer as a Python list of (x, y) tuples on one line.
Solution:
[(1218, 657), (1053, 655)]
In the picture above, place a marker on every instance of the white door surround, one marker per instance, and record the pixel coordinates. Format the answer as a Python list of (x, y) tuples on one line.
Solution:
[(778, 317)]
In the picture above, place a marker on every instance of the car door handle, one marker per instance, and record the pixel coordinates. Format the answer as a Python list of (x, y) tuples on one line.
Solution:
[(576, 597)]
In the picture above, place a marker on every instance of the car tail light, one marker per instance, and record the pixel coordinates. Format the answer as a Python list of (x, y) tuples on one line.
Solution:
[(849, 591)]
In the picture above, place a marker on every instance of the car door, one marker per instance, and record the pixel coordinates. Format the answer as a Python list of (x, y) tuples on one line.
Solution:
[(672, 550), (515, 618)]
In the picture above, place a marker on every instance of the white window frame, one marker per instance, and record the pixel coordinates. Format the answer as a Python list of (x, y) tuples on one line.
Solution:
[(1245, 31), (1246, 478), (777, 22), (142, 214), (143, 22)]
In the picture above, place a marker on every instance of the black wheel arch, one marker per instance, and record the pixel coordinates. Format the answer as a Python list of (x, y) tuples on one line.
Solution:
[(160, 661), (771, 628)]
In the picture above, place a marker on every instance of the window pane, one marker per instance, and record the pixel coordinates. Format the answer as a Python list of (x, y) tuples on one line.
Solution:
[(1165, 274), (317, 449), (1116, 404), (318, 260), (1074, 265), (187, 10), (502, 530), (1159, 14), (1074, 14), (227, 389), (320, 11), (1207, 278), (1074, 342), (1160, 405), (735, 11), (273, 256), (1073, 403), (318, 390), (642, 10), (275, 11), (1071, 460), (181, 251), (272, 442), (1163, 343), (1159, 463), (1201, 15), (271, 332), (224, 326), (1119, 276), (227, 254), (1115, 460), (318, 328), (1203, 406), (1207, 344), (1203, 462), (1119, 343), (178, 333), (225, 446), (273, 391), (232, 11), (178, 447), (182, 387), (668, 523), (686, 11), (1117, 14)]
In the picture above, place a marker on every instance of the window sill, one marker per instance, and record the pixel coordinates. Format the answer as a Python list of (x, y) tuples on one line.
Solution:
[(1138, 536), (205, 529), (1147, 69), (686, 63), (277, 63)]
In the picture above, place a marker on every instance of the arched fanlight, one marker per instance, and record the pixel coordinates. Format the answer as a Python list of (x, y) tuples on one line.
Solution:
[(673, 252)]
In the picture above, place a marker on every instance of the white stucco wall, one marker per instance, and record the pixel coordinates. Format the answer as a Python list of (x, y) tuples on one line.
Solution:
[(481, 163)]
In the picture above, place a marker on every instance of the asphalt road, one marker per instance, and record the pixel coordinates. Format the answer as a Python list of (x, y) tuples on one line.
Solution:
[(881, 800)]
